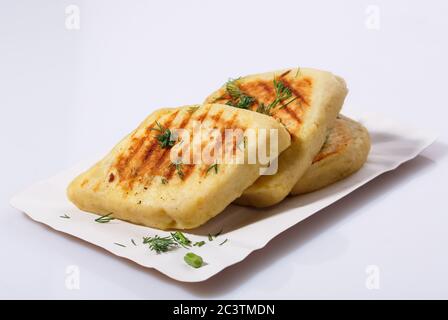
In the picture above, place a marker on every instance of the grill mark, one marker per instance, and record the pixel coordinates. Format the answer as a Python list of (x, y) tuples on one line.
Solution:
[(203, 115), (146, 161), (267, 89), (301, 97), (227, 124), (188, 169), (290, 113), (127, 172), (164, 159), (322, 156), (230, 124), (122, 164), (171, 169), (153, 166), (215, 119)]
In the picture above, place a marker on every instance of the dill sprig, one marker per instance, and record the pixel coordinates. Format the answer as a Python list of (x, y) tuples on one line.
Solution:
[(218, 233), (212, 167), (199, 243), (181, 239), (105, 219), (164, 138), (179, 169), (133, 242), (160, 244), (282, 93), (65, 216), (238, 98), (119, 244), (223, 242), (264, 109)]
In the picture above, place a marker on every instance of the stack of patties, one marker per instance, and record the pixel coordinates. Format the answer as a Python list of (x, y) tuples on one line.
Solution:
[(138, 180)]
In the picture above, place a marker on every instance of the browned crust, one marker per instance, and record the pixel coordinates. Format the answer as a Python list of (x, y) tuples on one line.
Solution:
[(334, 144), (145, 159), (263, 91)]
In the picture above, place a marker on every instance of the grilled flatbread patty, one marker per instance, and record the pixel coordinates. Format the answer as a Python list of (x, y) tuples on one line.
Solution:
[(315, 100), (345, 151), (138, 182)]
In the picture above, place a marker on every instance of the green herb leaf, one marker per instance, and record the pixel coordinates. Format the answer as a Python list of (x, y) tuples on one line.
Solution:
[(65, 216), (165, 138), (210, 237), (199, 244), (218, 233), (105, 219), (119, 244), (133, 242), (193, 260), (181, 239), (223, 242), (238, 98), (179, 169), (212, 167), (159, 244), (232, 88), (282, 93), (264, 109)]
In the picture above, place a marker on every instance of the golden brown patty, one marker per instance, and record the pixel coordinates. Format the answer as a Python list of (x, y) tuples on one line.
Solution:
[(138, 182), (344, 152), (313, 100)]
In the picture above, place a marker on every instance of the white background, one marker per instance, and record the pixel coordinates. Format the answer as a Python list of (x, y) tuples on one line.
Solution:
[(64, 94)]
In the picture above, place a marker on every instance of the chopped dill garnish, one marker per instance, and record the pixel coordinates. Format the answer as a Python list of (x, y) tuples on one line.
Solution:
[(164, 138), (212, 167), (159, 244), (65, 216), (210, 237), (199, 244), (264, 109), (238, 99), (179, 169), (133, 242), (119, 244), (282, 94), (105, 219), (181, 239), (223, 242), (218, 233)]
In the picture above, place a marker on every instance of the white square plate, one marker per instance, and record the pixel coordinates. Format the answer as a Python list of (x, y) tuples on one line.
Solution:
[(246, 229)]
